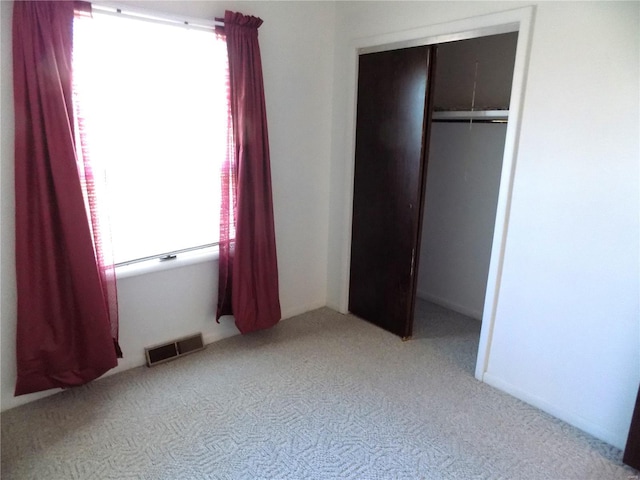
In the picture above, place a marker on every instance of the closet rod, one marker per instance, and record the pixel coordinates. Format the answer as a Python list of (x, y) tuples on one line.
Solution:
[(467, 120), (493, 116)]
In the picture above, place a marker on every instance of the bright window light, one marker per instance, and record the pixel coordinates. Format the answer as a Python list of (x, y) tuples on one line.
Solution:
[(154, 97)]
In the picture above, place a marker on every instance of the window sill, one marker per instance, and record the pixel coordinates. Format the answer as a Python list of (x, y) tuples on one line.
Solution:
[(157, 265)]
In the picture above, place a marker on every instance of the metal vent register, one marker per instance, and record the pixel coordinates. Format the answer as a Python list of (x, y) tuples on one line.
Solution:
[(173, 349)]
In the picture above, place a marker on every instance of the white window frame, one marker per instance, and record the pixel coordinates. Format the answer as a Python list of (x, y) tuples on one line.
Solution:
[(181, 257)]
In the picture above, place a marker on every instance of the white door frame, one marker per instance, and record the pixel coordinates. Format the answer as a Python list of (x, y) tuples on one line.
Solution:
[(520, 20)]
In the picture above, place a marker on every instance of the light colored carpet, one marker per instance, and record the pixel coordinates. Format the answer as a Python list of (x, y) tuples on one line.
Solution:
[(319, 396)]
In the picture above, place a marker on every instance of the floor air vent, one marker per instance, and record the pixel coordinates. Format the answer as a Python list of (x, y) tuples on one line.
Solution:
[(173, 349)]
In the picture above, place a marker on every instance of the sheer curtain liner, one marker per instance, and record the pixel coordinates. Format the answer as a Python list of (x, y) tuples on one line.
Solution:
[(67, 320)]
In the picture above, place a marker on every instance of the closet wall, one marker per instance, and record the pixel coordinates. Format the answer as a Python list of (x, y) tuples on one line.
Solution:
[(463, 176)]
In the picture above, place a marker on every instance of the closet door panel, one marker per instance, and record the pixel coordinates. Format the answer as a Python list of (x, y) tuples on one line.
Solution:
[(632, 451), (390, 132)]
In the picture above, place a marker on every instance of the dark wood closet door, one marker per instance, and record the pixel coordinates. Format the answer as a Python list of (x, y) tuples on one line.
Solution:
[(632, 450), (391, 134)]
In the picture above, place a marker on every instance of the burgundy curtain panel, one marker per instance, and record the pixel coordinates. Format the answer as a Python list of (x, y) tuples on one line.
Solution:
[(248, 278), (64, 332)]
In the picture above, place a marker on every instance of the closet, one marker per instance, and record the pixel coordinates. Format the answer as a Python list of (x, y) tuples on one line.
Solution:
[(426, 145), (471, 111)]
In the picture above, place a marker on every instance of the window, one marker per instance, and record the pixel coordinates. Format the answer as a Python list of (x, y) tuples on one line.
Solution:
[(153, 98)]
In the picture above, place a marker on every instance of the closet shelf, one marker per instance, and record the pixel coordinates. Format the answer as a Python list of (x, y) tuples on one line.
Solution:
[(487, 115)]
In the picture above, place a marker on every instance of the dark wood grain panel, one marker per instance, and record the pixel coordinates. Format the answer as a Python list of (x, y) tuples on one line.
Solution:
[(389, 168), (632, 450)]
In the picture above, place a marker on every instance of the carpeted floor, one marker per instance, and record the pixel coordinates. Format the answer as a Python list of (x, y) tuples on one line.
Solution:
[(319, 396)]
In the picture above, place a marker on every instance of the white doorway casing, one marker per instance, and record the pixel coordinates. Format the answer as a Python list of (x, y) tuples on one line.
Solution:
[(519, 20)]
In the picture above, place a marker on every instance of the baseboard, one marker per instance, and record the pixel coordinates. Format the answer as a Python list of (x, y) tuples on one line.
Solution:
[(229, 329), (337, 308), (216, 337), (13, 402), (226, 329), (571, 418), (450, 305), (295, 311)]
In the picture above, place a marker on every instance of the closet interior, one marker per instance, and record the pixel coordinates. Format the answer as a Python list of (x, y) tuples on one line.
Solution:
[(472, 89)]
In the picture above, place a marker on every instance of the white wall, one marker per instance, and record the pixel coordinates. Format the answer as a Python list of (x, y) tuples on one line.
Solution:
[(463, 178), (566, 334), (297, 57), (569, 295)]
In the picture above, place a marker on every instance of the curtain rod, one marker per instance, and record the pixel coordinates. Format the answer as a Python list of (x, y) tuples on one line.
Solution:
[(157, 17)]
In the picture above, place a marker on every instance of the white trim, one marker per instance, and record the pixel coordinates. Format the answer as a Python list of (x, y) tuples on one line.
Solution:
[(210, 254), (129, 11), (503, 207), (520, 20), (442, 38), (299, 310), (456, 307), (617, 439), (229, 330)]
